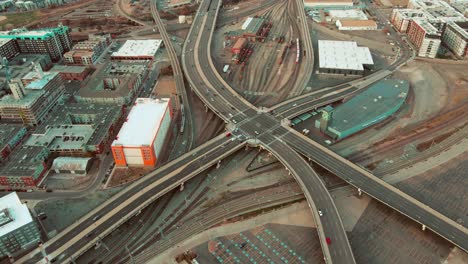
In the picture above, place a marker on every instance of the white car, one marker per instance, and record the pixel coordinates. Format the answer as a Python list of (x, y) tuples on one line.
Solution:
[(320, 213)]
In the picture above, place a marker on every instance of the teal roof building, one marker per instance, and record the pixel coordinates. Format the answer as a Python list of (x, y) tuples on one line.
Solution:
[(368, 108)]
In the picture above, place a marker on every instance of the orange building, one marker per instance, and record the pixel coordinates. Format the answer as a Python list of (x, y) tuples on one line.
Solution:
[(141, 139)]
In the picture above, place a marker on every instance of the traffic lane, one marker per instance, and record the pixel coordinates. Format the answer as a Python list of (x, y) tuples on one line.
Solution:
[(155, 192), (198, 153), (371, 186), (318, 198)]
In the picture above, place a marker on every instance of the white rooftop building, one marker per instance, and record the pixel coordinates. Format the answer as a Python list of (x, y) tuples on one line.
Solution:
[(138, 50), (343, 57), (141, 138), (17, 228), (351, 14)]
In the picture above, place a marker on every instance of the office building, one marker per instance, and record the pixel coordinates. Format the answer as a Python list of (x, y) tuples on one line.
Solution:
[(455, 38), (25, 167), (32, 97), (77, 73), (402, 17), (117, 82), (87, 52), (343, 57), (18, 231), (78, 129), (425, 36), (52, 41), (10, 136), (8, 48), (140, 142)]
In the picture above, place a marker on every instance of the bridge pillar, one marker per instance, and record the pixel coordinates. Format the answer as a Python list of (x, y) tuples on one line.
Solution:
[(218, 164), (206, 109), (359, 191), (182, 187), (285, 122), (423, 227), (246, 147)]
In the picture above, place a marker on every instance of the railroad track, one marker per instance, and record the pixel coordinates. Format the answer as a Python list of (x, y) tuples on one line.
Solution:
[(219, 214)]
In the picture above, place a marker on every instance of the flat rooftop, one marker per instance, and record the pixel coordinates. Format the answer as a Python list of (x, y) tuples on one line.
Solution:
[(15, 213), (8, 132), (350, 13), (143, 122), (139, 48), (370, 105), (358, 23), (91, 122), (328, 2), (461, 28), (344, 55), (427, 26), (68, 69)]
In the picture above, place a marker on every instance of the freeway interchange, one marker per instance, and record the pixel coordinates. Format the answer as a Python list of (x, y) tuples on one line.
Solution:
[(252, 126)]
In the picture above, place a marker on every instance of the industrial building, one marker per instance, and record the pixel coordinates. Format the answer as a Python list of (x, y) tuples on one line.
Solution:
[(368, 108), (87, 52), (10, 136), (343, 57), (71, 165), (455, 38), (348, 14), (138, 50), (141, 139), (25, 167), (18, 231), (78, 129), (323, 3), (239, 45), (32, 99), (52, 41), (252, 28), (425, 36), (78, 73), (356, 25), (117, 82)]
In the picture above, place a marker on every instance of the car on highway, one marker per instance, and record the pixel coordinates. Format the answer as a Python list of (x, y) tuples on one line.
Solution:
[(328, 240), (96, 217)]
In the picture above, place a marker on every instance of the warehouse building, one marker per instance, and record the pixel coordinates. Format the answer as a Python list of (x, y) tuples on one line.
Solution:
[(18, 231), (349, 14), (455, 37), (239, 45), (141, 139), (368, 108), (78, 129), (138, 50), (252, 27), (356, 25), (343, 57), (425, 36), (32, 97), (71, 165), (10, 136), (324, 3)]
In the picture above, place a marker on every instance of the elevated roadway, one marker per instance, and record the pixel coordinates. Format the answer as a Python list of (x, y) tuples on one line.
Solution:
[(220, 97), (84, 233), (178, 77)]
